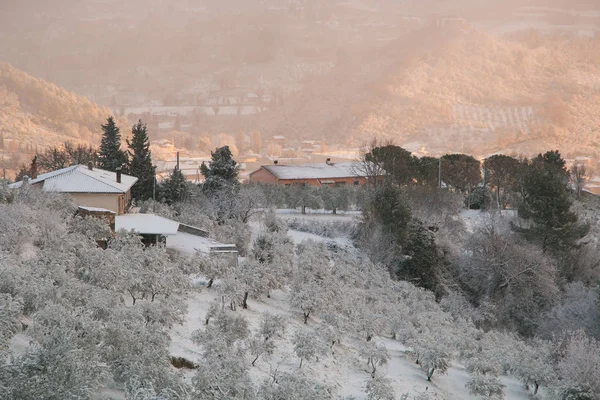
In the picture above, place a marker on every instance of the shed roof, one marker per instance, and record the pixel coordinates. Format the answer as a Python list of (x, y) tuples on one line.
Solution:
[(190, 244), (314, 171), (96, 209), (81, 179), (146, 224)]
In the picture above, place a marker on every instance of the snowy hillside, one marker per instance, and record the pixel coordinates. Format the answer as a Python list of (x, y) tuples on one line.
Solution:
[(342, 369)]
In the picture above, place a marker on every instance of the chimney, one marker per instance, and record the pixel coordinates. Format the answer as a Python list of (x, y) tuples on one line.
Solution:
[(91, 166), (275, 162), (119, 175)]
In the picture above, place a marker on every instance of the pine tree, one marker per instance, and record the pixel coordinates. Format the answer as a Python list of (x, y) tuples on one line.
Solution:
[(547, 205), (222, 171), (111, 156), (175, 188), (140, 162)]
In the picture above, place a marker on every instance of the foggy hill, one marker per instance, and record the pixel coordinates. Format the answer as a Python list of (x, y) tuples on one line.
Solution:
[(458, 89), (35, 114)]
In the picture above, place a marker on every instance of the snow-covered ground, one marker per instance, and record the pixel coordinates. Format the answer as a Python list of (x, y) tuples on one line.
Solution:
[(343, 370)]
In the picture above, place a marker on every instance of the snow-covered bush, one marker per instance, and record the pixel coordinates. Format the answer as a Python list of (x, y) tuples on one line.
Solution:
[(293, 387), (329, 229), (380, 388)]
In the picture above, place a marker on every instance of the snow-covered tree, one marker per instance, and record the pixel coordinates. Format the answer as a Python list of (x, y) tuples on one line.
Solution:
[(487, 386), (307, 345), (222, 374), (434, 359), (55, 368), (375, 354), (380, 388), (257, 346), (533, 365), (579, 368), (11, 310), (213, 266), (312, 285), (293, 387)]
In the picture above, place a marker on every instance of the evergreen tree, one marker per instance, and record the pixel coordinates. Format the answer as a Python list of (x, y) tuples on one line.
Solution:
[(111, 156), (174, 188), (222, 171), (423, 263), (547, 205), (140, 162), (395, 161)]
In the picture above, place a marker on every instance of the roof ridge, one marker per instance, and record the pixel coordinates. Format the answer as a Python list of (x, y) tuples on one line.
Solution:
[(84, 172)]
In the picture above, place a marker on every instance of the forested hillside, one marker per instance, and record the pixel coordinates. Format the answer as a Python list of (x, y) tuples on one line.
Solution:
[(35, 114), (46, 107)]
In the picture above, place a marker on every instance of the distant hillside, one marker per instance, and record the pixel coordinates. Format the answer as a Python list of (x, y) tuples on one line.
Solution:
[(35, 114), (459, 89)]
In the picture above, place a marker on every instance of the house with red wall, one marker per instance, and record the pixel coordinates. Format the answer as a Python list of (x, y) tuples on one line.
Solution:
[(319, 174)]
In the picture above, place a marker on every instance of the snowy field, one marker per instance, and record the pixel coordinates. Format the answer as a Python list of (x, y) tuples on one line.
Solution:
[(344, 370)]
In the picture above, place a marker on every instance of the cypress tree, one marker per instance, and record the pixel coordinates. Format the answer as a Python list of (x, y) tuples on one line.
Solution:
[(140, 162), (111, 156)]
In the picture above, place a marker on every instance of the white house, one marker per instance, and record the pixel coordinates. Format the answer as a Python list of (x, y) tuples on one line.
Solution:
[(87, 185)]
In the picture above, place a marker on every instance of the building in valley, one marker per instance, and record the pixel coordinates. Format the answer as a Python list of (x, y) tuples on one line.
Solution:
[(326, 173), (87, 185)]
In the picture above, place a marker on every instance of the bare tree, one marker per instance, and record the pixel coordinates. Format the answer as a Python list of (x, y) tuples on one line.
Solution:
[(578, 177), (368, 167)]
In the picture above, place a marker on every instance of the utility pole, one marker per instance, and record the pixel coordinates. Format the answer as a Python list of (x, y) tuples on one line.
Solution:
[(440, 173), (154, 183)]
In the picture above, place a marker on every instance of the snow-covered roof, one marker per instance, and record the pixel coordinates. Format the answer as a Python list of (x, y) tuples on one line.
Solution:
[(190, 244), (96, 209), (313, 171), (146, 224), (81, 179)]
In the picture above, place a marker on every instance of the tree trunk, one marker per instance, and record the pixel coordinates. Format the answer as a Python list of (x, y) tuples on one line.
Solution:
[(430, 374), (210, 282), (255, 360), (306, 315), (334, 210), (537, 386), (300, 363), (303, 209), (498, 197), (245, 302), (373, 366)]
